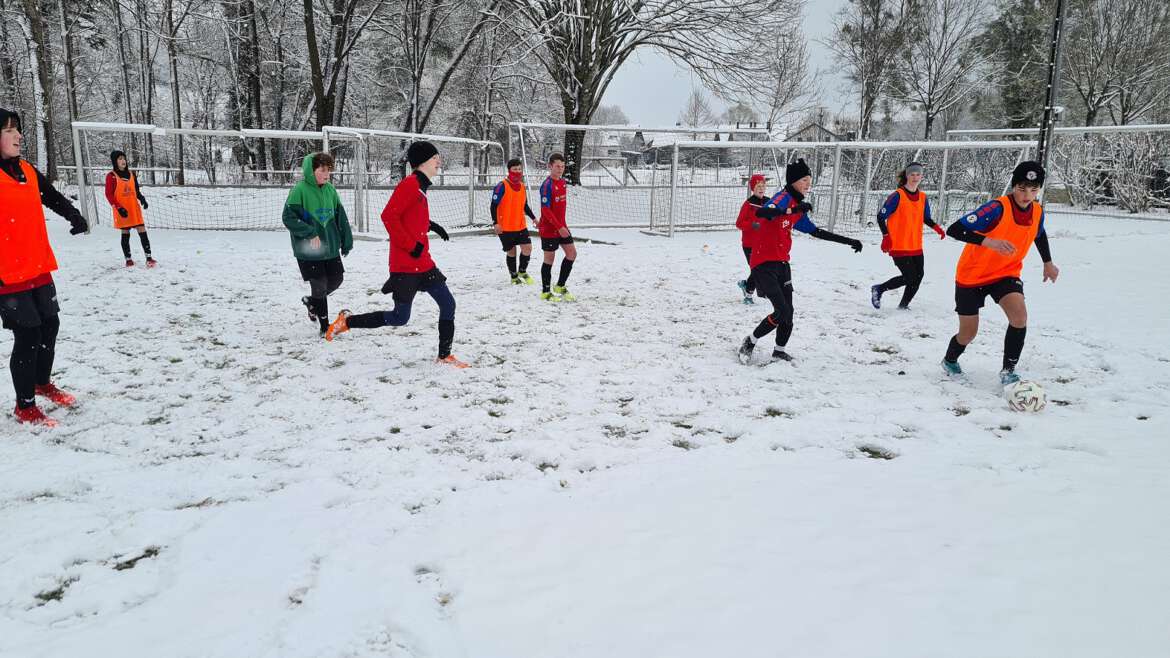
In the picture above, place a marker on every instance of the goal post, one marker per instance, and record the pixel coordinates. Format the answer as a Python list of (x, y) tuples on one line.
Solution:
[(197, 178), (850, 179)]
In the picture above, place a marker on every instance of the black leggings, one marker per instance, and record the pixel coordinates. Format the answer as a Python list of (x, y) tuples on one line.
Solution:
[(33, 350), (911, 268), (751, 282), (319, 290), (775, 283)]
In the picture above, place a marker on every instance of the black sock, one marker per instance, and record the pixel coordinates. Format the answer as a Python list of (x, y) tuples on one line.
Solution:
[(545, 276), (321, 309), (566, 268), (366, 320), (145, 243), (954, 349), (1013, 345), (908, 294), (783, 333), (446, 337), (524, 262), (765, 327), (511, 261), (126, 245)]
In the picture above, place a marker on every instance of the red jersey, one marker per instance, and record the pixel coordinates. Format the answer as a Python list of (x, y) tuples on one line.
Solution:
[(747, 217), (407, 219), (553, 195), (773, 239)]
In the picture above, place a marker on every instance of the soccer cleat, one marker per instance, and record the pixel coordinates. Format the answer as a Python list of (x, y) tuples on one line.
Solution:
[(526, 278), (742, 284), (33, 416), (129, 262), (549, 297), (745, 350), (516, 280), (564, 293), (59, 397), (309, 307), (1008, 377), (903, 308), (748, 300), (875, 296), (150, 262), (339, 326), (450, 360), (781, 355), (951, 368)]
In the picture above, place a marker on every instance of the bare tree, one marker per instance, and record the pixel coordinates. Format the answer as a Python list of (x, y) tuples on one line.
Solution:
[(697, 111), (1096, 37), (941, 64), (867, 37), (42, 66), (585, 42), (346, 25), (1143, 62)]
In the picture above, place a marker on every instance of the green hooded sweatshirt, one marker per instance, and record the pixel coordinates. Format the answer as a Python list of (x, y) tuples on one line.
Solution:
[(315, 218)]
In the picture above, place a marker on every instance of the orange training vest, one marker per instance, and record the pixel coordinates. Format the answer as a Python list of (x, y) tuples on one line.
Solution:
[(510, 210), (24, 241), (127, 197), (905, 225), (979, 265)]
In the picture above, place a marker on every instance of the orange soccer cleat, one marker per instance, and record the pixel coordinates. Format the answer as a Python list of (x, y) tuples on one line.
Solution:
[(339, 326)]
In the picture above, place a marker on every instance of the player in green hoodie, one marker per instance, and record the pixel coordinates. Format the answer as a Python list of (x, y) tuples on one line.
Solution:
[(320, 234)]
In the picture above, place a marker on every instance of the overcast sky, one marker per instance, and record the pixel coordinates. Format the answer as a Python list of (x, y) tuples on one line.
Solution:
[(652, 90)]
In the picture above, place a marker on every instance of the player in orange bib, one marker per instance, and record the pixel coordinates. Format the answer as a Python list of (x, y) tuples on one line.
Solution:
[(901, 220), (509, 209), (127, 202), (998, 235)]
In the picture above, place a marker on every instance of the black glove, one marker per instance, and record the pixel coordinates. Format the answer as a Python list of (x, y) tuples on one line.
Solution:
[(122, 213), (439, 231), (803, 206), (78, 223), (856, 244), (417, 251), (145, 205)]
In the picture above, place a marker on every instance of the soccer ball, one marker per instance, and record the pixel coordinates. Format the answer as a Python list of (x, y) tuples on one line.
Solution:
[(1025, 396)]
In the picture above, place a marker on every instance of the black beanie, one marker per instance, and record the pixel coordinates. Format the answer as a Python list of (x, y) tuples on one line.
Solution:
[(5, 115), (796, 171), (114, 155), (1028, 173), (420, 152)]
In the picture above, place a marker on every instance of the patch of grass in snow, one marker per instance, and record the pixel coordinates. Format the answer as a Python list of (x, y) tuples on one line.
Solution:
[(149, 552), (960, 410), (547, 466), (57, 593), (683, 443), (206, 502), (884, 349), (773, 412), (876, 452)]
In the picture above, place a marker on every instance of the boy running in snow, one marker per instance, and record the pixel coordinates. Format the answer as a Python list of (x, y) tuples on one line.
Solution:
[(124, 193), (320, 234), (769, 261), (28, 297), (998, 235), (407, 220), (901, 220), (757, 197), (509, 207), (554, 232)]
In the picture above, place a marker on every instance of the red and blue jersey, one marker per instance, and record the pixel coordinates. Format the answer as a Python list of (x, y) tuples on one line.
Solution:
[(553, 201), (772, 239)]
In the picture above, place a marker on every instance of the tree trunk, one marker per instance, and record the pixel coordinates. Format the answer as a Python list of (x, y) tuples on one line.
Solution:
[(43, 88), (125, 65), (176, 105), (70, 67), (255, 86), (317, 77)]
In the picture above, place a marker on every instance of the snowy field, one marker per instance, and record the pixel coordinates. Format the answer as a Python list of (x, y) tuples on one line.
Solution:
[(607, 480)]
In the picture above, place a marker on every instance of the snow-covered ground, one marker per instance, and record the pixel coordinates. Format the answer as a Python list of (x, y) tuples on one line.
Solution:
[(607, 480)]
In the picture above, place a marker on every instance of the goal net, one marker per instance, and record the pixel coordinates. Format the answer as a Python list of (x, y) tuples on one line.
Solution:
[(615, 172), (851, 180), (1102, 170), (239, 179)]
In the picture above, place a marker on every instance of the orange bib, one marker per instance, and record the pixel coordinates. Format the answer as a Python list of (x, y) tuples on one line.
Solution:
[(127, 197), (24, 241), (510, 211), (979, 265), (905, 225)]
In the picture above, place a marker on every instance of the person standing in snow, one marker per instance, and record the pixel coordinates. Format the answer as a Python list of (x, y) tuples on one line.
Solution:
[(900, 220), (509, 207), (757, 197), (28, 297), (320, 234), (554, 232), (772, 241), (407, 219), (998, 235), (124, 193)]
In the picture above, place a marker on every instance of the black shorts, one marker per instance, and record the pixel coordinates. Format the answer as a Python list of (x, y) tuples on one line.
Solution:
[(512, 239), (773, 279), (29, 308), (320, 269), (551, 244), (968, 301), (403, 286)]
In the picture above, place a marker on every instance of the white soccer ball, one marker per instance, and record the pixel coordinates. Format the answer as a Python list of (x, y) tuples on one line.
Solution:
[(1025, 396)]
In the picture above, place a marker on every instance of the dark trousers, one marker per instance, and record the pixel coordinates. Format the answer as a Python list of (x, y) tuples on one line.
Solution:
[(911, 268)]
